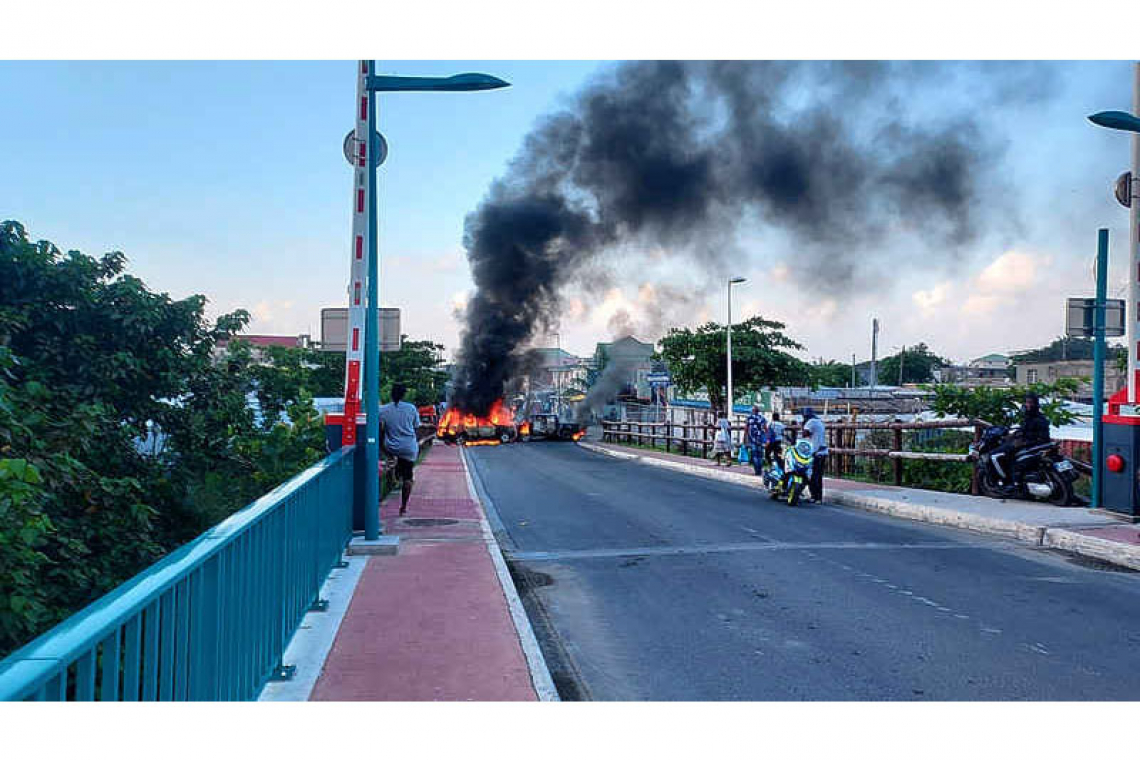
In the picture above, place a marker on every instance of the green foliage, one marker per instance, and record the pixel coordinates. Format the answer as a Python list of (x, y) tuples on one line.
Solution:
[(1002, 406), (416, 365), (829, 374), (89, 356), (698, 358), (918, 365)]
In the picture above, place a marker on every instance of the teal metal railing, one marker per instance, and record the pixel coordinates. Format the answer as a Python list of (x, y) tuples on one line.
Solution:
[(211, 620)]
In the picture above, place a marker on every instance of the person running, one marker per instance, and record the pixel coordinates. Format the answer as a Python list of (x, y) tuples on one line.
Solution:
[(722, 441), (398, 423), (813, 429), (757, 437), (774, 446)]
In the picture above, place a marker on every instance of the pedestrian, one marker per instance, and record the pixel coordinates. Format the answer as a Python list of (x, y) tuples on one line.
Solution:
[(757, 437), (814, 430), (722, 441), (399, 421), (774, 448)]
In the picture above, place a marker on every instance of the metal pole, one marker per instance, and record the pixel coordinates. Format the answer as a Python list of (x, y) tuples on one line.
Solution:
[(372, 527), (853, 380), (1098, 361), (902, 358), (1134, 242), (728, 401)]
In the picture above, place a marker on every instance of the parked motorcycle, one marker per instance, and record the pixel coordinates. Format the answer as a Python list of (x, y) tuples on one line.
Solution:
[(787, 480), (1038, 472)]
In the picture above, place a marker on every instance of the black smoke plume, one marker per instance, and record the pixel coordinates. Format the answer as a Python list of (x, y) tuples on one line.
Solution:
[(839, 156)]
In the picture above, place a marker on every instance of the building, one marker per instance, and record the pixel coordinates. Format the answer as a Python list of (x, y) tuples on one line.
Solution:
[(629, 352), (259, 343), (1079, 369)]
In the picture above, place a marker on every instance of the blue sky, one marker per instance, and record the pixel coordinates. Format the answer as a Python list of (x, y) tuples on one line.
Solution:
[(226, 178)]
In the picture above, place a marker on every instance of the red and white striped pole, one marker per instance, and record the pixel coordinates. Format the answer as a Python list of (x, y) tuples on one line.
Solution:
[(1134, 244), (359, 269)]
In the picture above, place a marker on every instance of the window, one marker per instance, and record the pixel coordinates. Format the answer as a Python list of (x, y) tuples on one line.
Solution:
[(1031, 376)]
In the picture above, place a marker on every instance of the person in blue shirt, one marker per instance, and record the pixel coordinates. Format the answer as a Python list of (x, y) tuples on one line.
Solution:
[(774, 448), (757, 434)]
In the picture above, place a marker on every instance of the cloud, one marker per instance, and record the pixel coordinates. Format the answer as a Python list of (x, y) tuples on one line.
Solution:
[(1011, 272), (928, 301)]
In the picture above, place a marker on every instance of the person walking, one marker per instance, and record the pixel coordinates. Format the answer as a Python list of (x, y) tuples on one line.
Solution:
[(814, 430), (774, 445), (722, 441), (757, 435), (399, 421)]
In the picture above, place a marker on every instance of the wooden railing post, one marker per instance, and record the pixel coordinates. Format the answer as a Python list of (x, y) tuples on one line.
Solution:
[(898, 462)]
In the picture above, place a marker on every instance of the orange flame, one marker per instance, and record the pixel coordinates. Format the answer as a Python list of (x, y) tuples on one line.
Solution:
[(524, 429), (455, 421), (578, 436)]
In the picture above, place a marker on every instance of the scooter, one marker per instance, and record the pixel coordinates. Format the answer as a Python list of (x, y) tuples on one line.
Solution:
[(787, 482), (1038, 472)]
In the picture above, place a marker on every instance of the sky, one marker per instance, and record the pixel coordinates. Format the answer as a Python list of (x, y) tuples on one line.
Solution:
[(227, 179)]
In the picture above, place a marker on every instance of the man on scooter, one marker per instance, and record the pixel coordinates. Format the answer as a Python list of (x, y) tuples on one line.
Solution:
[(1034, 430)]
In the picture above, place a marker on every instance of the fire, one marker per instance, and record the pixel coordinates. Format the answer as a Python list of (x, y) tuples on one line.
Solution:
[(457, 422), (578, 436), (524, 428)]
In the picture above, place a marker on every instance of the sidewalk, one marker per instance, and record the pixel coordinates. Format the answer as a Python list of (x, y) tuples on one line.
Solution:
[(434, 622), (1072, 529)]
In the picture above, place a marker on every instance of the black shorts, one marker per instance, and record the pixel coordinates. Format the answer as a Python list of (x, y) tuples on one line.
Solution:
[(404, 469)]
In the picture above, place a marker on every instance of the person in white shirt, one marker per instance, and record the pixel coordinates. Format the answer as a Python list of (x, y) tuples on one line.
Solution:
[(399, 421)]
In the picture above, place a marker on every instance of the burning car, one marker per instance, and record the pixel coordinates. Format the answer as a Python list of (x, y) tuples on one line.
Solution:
[(468, 429), (548, 427)]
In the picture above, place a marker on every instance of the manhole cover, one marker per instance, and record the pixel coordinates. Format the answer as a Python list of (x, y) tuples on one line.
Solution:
[(426, 522)]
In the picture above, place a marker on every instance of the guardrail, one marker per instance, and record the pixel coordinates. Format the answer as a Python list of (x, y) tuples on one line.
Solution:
[(211, 620), (841, 438)]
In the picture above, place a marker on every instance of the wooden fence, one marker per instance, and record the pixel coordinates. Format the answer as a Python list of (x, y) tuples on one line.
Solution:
[(841, 440)]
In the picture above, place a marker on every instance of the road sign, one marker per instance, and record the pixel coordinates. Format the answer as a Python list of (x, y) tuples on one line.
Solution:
[(334, 329), (352, 148), (1080, 317), (1123, 190), (662, 378)]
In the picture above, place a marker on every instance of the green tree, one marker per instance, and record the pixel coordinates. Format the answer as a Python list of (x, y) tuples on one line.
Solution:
[(829, 374), (1002, 406), (918, 365), (418, 366), (697, 358), (90, 361)]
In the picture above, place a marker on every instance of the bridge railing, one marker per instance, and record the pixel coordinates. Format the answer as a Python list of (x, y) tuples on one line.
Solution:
[(211, 620)]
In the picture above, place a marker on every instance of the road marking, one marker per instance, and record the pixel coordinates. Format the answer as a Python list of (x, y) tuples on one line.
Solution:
[(568, 554)]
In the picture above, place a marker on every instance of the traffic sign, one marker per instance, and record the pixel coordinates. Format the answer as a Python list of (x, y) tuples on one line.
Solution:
[(1080, 317), (659, 377)]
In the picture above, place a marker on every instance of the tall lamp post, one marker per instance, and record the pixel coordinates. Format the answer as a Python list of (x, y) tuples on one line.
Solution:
[(728, 338), (371, 153), (1114, 485), (558, 374)]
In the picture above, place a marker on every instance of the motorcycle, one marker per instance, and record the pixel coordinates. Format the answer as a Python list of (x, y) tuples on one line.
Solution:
[(1038, 472), (788, 480)]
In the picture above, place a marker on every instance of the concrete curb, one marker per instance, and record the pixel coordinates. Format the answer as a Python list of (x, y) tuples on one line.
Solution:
[(540, 677), (1114, 552)]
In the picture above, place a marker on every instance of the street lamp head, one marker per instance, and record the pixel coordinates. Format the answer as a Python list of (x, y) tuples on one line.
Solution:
[(457, 83), (476, 82), (736, 280), (1116, 120)]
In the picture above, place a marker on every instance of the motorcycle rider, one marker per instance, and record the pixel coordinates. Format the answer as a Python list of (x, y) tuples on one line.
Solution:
[(1034, 430)]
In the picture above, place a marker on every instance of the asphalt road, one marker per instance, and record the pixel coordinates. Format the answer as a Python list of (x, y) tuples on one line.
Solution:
[(644, 584)]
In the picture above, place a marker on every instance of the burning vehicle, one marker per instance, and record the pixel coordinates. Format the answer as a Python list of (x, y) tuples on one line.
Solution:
[(468, 429), (548, 427)]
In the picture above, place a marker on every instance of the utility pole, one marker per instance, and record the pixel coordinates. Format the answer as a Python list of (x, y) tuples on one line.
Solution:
[(874, 352), (902, 358), (853, 379)]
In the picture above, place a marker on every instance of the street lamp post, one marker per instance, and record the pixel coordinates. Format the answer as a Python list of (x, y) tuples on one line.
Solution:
[(728, 338), (558, 374), (1129, 123), (368, 145)]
